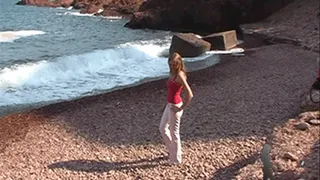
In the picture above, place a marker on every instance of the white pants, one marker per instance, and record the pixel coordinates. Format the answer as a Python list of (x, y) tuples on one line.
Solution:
[(170, 131)]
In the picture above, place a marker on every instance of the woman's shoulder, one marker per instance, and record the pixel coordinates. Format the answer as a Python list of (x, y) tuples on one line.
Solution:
[(182, 74)]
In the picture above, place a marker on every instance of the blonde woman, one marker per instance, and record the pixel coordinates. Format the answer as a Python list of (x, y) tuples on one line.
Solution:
[(170, 121)]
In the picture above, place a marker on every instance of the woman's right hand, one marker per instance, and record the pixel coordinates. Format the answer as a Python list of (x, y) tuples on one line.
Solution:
[(175, 109)]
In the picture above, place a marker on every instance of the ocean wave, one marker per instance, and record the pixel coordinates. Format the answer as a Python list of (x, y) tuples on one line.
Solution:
[(71, 76), (112, 17), (68, 8), (77, 13), (74, 14)]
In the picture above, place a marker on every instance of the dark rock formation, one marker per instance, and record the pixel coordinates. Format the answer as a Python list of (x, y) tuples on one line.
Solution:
[(188, 45), (202, 16)]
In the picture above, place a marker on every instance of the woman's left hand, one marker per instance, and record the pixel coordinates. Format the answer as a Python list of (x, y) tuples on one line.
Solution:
[(176, 109)]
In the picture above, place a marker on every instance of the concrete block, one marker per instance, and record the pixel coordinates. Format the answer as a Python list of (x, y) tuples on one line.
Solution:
[(222, 40)]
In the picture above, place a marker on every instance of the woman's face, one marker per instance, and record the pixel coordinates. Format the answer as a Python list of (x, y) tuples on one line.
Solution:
[(173, 65)]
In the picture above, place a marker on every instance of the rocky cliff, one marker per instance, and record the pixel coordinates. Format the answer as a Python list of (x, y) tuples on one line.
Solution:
[(203, 15), (108, 7)]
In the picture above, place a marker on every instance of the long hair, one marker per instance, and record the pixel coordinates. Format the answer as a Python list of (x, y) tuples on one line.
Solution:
[(178, 64)]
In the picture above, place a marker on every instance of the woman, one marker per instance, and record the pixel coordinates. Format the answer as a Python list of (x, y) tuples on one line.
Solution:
[(170, 121)]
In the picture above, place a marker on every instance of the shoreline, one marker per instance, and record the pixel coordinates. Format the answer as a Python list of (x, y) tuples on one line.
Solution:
[(191, 66), (255, 40)]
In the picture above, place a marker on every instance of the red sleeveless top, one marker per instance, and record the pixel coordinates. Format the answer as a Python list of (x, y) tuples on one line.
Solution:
[(174, 91)]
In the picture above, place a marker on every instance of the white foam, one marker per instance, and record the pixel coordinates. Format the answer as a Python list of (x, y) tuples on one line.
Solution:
[(199, 58), (100, 10), (113, 17), (68, 8), (71, 76), (230, 51), (76, 14), (11, 36), (151, 50)]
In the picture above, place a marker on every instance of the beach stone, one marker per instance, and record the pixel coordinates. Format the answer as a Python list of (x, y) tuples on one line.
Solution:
[(290, 156), (279, 166), (188, 45), (306, 103), (302, 126), (80, 5), (315, 122), (222, 40), (306, 116), (292, 120)]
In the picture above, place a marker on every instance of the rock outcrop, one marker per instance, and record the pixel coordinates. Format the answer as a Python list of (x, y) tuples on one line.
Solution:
[(101, 7), (57, 3), (109, 7), (202, 16)]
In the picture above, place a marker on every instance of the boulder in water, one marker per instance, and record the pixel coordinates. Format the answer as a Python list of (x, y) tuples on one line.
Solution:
[(188, 45)]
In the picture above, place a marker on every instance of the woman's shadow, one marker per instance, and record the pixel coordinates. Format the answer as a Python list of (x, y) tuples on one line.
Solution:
[(104, 166)]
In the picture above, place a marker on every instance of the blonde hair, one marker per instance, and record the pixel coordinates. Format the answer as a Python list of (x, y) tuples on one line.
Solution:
[(175, 57)]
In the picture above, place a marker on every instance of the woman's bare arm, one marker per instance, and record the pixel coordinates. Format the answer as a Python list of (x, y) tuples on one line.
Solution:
[(182, 79)]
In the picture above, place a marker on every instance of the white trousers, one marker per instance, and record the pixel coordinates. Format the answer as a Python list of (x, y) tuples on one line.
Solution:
[(170, 132)]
